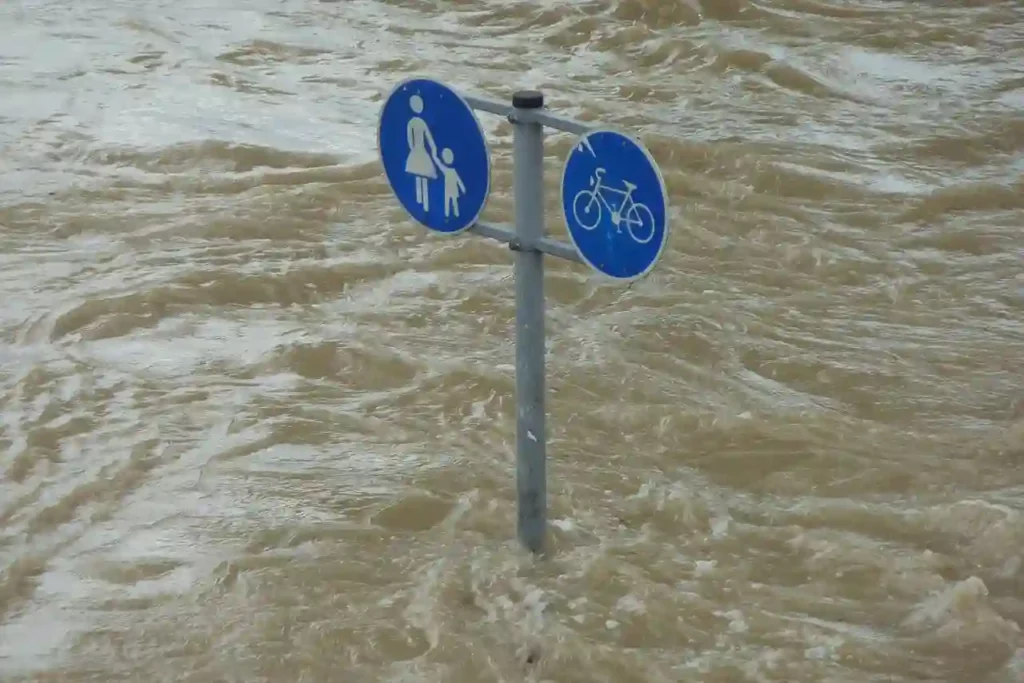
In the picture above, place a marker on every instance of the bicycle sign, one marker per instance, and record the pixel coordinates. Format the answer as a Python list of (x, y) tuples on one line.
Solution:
[(588, 211), (615, 205)]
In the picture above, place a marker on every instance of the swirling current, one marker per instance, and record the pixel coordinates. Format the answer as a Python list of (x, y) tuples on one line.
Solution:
[(256, 425)]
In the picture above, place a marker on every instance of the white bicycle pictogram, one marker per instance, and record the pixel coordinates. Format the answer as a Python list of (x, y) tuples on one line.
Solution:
[(588, 207)]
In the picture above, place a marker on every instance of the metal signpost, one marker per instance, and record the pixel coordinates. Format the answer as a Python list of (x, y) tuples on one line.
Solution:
[(614, 202)]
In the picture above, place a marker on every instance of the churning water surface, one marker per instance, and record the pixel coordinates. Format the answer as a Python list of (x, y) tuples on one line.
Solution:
[(258, 426)]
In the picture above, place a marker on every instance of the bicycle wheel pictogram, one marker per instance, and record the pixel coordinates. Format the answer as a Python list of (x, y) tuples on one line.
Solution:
[(640, 223), (586, 209)]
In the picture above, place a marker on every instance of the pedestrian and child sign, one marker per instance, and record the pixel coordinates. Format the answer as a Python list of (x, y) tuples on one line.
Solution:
[(614, 203), (435, 155)]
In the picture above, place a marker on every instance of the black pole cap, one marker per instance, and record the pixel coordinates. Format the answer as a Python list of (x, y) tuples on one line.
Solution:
[(528, 99)]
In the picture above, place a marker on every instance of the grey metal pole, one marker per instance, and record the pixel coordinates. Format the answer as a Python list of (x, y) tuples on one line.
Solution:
[(531, 437)]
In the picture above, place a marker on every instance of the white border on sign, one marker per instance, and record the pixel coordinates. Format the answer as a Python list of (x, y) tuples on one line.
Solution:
[(479, 128), (664, 193)]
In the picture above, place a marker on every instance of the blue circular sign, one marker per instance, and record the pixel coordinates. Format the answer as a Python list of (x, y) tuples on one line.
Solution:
[(615, 205), (434, 155)]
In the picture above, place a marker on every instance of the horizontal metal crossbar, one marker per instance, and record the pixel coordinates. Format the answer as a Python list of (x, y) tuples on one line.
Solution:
[(544, 245), (541, 116), (504, 233)]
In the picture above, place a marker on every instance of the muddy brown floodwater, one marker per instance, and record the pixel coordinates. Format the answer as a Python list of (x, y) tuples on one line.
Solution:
[(257, 425)]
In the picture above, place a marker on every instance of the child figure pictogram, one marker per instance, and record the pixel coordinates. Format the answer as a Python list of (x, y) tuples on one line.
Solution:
[(453, 185)]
